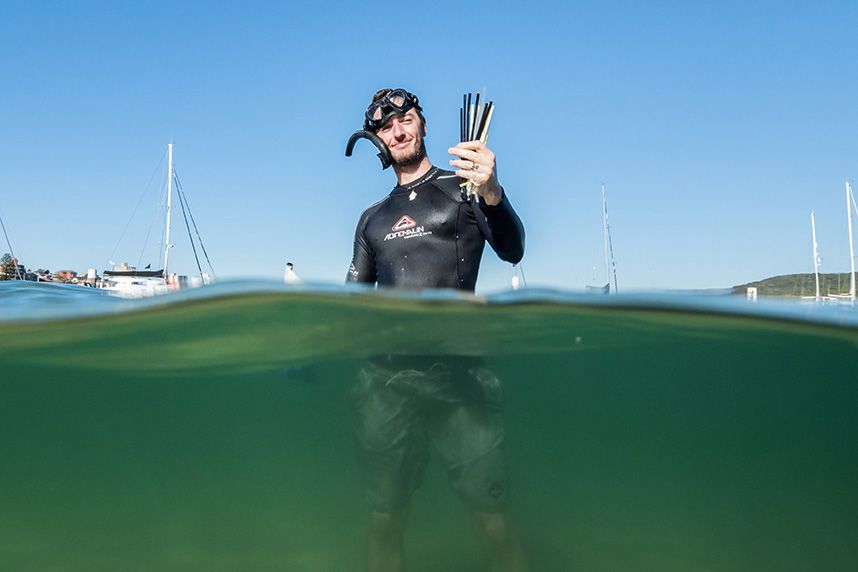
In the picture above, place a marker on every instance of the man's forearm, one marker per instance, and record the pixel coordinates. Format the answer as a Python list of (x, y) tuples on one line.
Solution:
[(503, 229)]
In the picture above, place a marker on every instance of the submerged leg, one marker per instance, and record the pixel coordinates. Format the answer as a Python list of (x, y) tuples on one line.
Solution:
[(506, 552), (384, 547), (392, 451), (468, 429)]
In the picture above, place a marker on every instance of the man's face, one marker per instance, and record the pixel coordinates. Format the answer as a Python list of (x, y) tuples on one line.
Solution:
[(403, 135)]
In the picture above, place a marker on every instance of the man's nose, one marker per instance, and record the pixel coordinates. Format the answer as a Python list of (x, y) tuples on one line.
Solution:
[(398, 131)]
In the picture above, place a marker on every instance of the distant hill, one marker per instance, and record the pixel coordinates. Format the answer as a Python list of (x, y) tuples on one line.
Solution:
[(797, 285)]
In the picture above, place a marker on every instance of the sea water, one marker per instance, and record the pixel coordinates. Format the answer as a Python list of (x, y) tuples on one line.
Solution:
[(211, 429)]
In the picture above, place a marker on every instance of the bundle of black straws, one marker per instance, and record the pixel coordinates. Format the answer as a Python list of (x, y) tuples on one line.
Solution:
[(475, 118), (474, 121)]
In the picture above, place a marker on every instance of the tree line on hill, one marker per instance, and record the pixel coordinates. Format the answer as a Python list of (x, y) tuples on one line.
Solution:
[(798, 285), (10, 269)]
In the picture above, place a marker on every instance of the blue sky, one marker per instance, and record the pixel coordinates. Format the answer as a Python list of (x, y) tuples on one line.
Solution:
[(716, 127)]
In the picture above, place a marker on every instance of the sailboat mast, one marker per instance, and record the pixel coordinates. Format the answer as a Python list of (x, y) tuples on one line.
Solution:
[(849, 201), (815, 253), (11, 252), (169, 206), (605, 232)]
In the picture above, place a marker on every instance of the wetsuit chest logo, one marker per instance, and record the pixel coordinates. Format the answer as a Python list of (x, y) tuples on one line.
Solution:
[(406, 227), (403, 223)]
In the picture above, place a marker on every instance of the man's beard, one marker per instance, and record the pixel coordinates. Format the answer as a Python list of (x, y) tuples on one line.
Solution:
[(412, 157)]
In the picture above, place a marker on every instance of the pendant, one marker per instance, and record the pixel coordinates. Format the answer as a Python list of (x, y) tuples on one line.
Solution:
[(412, 196)]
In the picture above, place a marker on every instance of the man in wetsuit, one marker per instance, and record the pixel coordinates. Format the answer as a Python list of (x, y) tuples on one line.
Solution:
[(428, 234)]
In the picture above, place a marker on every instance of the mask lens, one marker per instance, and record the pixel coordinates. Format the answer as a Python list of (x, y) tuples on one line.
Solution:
[(397, 101)]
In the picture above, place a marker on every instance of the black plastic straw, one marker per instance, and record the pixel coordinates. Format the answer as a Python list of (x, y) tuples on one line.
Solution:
[(468, 119), (476, 117), (464, 116)]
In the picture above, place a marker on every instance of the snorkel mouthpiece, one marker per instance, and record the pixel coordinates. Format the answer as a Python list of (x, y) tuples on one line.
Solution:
[(383, 152)]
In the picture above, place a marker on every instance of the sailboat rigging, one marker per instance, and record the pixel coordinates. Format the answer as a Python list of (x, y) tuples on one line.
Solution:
[(128, 281), (850, 206), (610, 262), (850, 296), (815, 254)]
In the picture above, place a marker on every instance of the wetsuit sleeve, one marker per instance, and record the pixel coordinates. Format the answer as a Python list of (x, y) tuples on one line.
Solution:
[(362, 268), (502, 228)]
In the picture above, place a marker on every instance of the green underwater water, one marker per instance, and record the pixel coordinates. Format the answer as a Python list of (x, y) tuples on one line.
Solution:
[(214, 433)]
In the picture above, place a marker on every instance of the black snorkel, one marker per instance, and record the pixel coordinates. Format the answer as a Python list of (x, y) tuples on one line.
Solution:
[(383, 152), (394, 102)]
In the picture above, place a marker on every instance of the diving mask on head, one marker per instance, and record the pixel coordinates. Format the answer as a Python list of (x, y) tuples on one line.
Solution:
[(396, 102)]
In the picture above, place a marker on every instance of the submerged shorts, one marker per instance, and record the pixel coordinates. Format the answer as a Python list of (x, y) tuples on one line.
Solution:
[(458, 409)]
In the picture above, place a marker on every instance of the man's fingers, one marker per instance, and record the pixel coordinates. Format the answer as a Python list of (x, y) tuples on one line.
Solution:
[(481, 154), (464, 153), (472, 145), (466, 174), (471, 167), (462, 164), (478, 177), (477, 146), (481, 158), (476, 161)]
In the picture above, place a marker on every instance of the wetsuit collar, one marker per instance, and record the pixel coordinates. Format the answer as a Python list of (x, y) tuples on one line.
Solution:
[(430, 174)]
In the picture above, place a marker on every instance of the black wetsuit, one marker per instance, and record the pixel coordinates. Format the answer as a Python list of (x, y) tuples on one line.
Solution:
[(427, 235)]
